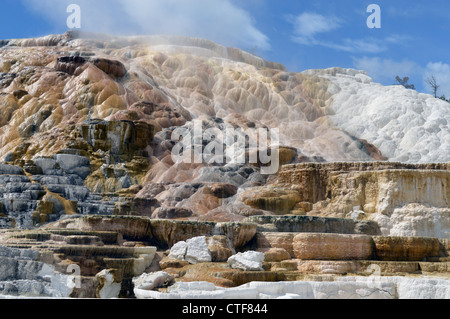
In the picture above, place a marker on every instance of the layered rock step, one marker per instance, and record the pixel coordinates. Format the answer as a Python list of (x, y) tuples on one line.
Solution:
[(314, 224), (323, 246), (404, 199), (108, 251), (55, 188), (22, 274), (19, 196), (161, 232), (318, 174), (361, 267), (130, 261), (98, 160), (112, 251), (306, 249), (320, 245), (102, 263)]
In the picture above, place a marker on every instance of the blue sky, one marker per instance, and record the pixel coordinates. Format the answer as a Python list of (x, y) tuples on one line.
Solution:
[(413, 39)]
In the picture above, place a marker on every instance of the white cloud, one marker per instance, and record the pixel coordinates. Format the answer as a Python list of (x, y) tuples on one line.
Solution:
[(221, 21), (398, 39), (441, 72), (381, 69), (307, 25), (368, 45)]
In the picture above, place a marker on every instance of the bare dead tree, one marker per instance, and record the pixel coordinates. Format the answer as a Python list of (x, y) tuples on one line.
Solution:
[(433, 84)]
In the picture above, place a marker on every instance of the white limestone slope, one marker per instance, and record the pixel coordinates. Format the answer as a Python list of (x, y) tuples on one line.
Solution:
[(406, 126)]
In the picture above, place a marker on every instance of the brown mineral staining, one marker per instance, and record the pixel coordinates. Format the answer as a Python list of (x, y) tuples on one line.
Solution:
[(407, 248), (113, 68), (70, 64), (275, 199), (165, 89)]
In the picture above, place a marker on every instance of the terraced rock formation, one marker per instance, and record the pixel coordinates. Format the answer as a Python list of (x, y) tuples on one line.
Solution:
[(65, 263), (404, 199), (313, 264), (115, 256), (89, 182)]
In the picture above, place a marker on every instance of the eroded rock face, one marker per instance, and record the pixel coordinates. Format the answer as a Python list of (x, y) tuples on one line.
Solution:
[(389, 189), (275, 199), (314, 224), (61, 263), (168, 232), (319, 246), (113, 68), (24, 275), (265, 241), (276, 254), (407, 248), (133, 228), (172, 213), (318, 182), (382, 191), (332, 247), (104, 157), (35, 199), (117, 137), (70, 64), (165, 233), (75, 65), (220, 247)]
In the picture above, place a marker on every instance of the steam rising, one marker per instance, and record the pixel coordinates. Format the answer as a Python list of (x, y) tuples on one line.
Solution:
[(218, 20)]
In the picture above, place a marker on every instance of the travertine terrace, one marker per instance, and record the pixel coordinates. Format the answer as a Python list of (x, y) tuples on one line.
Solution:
[(91, 195)]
